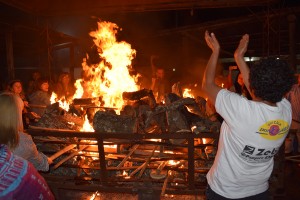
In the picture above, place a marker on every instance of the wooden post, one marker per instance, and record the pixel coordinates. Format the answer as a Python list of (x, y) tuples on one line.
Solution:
[(10, 54), (292, 40), (101, 151)]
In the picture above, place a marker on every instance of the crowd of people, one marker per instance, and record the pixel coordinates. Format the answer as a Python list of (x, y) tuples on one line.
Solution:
[(258, 109), (21, 161), (37, 95)]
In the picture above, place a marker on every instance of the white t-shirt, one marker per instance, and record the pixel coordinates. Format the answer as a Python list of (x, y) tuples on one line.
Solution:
[(251, 134)]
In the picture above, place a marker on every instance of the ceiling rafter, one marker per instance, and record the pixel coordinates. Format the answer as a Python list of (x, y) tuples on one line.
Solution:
[(75, 7)]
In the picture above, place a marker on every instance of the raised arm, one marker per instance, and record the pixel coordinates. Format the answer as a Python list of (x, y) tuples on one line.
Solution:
[(240, 61), (208, 82)]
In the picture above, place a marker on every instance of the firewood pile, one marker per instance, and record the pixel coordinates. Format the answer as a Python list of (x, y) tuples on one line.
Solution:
[(171, 145)]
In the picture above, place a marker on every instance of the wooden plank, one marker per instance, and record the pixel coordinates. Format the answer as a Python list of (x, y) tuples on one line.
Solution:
[(10, 54), (103, 176)]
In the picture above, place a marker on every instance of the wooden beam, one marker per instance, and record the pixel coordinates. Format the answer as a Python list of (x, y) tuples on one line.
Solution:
[(9, 54), (71, 7), (223, 23)]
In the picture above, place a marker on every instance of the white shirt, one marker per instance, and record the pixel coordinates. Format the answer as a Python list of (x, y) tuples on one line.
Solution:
[(250, 136)]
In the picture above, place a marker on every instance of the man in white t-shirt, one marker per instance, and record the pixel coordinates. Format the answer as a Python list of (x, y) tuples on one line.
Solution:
[(253, 130)]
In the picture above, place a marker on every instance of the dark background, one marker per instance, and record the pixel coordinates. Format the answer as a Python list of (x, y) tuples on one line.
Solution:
[(53, 36)]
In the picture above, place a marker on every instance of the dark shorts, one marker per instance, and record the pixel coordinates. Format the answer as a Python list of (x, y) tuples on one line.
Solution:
[(211, 195)]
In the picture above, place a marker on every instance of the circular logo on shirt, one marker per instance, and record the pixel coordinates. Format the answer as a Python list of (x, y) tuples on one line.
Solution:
[(274, 129)]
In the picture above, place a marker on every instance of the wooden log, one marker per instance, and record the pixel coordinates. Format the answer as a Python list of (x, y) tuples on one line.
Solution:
[(144, 95), (146, 163), (85, 101), (69, 157), (177, 122), (128, 155), (163, 190), (48, 129), (57, 118), (155, 121), (112, 123), (136, 95), (62, 151), (137, 169), (173, 101)]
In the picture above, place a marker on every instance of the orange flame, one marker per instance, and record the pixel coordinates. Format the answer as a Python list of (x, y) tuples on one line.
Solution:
[(62, 102), (109, 78), (187, 93), (87, 127)]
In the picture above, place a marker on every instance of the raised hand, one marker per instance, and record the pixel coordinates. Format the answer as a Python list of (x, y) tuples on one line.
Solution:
[(240, 61), (212, 41), (242, 48)]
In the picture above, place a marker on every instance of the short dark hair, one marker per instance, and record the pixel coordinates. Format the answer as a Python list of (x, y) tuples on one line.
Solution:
[(41, 81), (12, 82), (270, 79)]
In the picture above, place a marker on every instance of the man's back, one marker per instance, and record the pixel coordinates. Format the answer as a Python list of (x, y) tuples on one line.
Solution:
[(251, 135)]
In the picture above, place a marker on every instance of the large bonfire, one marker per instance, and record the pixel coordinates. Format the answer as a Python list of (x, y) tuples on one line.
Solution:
[(108, 79)]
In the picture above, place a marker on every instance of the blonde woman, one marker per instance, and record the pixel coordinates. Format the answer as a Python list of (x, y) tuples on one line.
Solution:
[(19, 179), (26, 147)]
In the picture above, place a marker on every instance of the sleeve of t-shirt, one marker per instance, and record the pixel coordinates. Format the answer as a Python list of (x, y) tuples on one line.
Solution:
[(231, 106), (27, 150)]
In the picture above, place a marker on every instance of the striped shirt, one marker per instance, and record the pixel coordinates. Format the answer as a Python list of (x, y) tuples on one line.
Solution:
[(19, 180)]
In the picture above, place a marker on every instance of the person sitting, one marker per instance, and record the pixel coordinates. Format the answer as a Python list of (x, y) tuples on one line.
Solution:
[(26, 147), (253, 130), (64, 87), (40, 98), (19, 179), (16, 87)]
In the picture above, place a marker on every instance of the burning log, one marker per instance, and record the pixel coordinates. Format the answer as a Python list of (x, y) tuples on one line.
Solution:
[(112, 123), (138, 95), (187, 106), (57, 118), (85, 101), (155, 121)]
